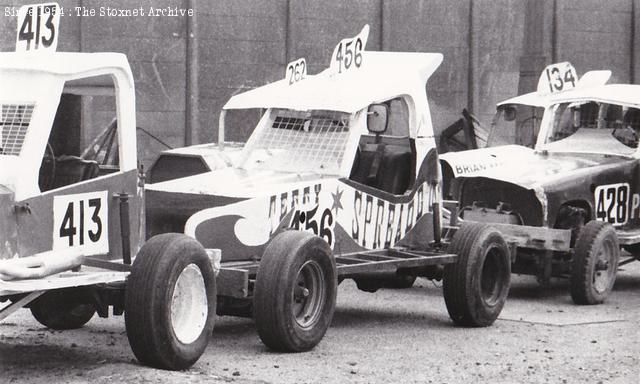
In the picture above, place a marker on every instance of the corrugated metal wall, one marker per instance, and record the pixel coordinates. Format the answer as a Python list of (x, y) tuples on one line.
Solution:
[(246, 43)]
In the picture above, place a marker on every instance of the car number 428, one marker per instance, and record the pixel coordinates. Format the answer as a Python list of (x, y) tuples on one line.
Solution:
[(612, 203)]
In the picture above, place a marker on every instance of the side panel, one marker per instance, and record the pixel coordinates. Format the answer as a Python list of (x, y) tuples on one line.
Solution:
[(348, 215), (8, 229), (82, 215), (612, 195)]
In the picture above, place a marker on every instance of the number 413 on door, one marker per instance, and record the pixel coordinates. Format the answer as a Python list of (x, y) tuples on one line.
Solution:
[(81, 221)]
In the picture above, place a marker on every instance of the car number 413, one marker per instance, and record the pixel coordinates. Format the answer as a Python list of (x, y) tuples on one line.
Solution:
[(80, 221)]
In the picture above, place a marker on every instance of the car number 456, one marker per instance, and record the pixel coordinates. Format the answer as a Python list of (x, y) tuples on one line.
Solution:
[(80, 221), (612, 202)]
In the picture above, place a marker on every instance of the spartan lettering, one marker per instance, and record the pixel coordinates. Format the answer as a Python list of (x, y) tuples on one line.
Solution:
[(368, 210), (420, 198), (390, 217), (399, 226), (357, 211), (409, 217), (378, 224)]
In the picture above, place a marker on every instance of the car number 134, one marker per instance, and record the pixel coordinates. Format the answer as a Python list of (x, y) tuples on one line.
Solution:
[(81, 221)]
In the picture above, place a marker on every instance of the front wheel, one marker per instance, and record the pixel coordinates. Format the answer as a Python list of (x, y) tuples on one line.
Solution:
[(170, 302), (595, 263), (295, 292), (476, 286)]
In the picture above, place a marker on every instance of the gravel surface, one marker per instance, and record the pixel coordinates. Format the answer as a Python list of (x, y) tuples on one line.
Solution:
[(391, 336)]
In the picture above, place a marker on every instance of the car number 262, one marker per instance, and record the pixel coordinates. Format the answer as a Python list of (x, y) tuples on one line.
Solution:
[(80, 221)]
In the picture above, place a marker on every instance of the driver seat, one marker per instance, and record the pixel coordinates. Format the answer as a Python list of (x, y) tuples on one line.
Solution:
[(383, 166), (74, 169)]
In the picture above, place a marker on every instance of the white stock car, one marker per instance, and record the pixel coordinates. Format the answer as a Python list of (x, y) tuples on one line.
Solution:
[(339, 179)]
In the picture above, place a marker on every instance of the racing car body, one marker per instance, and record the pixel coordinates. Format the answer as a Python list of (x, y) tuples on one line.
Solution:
[(72, 220), (516, 124), (582, 174), (311, 162), (588, 141), (339, 179), (46, 196)]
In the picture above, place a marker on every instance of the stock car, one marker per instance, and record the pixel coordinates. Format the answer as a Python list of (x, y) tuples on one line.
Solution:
[(340, 179), (582, 175), (516, 123)]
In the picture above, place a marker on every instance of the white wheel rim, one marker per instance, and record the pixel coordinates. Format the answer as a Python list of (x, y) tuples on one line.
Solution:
[(308, 295), (189, 306)]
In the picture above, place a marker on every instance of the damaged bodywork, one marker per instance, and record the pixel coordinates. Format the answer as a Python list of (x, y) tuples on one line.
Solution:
[(584, 168)]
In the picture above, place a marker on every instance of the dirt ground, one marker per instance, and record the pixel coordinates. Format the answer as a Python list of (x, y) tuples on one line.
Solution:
[(391, 336)]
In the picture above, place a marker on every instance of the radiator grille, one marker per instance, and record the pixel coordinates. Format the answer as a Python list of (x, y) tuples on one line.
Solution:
[(14, 123)]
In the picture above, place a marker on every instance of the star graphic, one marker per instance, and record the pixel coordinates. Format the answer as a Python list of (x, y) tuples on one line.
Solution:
[(337, 204)]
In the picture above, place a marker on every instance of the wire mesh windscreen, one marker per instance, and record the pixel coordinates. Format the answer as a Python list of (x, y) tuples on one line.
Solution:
[(304, 141), (14, 122)]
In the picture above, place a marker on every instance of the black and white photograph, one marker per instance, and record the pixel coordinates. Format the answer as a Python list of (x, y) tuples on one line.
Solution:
[(300, 191)]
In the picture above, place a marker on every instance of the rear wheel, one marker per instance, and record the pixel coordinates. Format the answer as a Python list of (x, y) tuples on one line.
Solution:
[(373, 283), (476, 286), (61, 310), (401, 282), (595, 263), (170, 302), (633, 249), (295, 292)]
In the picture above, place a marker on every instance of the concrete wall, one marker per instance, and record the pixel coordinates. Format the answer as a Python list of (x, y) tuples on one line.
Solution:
[(497, 38), (243, 44), (594, 34), (434, 26)]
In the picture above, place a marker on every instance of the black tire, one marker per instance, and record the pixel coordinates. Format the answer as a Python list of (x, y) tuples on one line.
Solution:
[(288, 318), (401, 282), (476, 287), (157, 338), (369, 284), (633, 249), (62, 310), (595, 263)]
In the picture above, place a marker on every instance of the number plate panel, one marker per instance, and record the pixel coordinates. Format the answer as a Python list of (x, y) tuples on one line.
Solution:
[(296, 71), (347, 55), (38, 27), (557, 78), (80, 221), (612, 203)]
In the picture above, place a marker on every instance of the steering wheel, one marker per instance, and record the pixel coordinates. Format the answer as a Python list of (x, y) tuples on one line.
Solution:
[(47, 169)]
